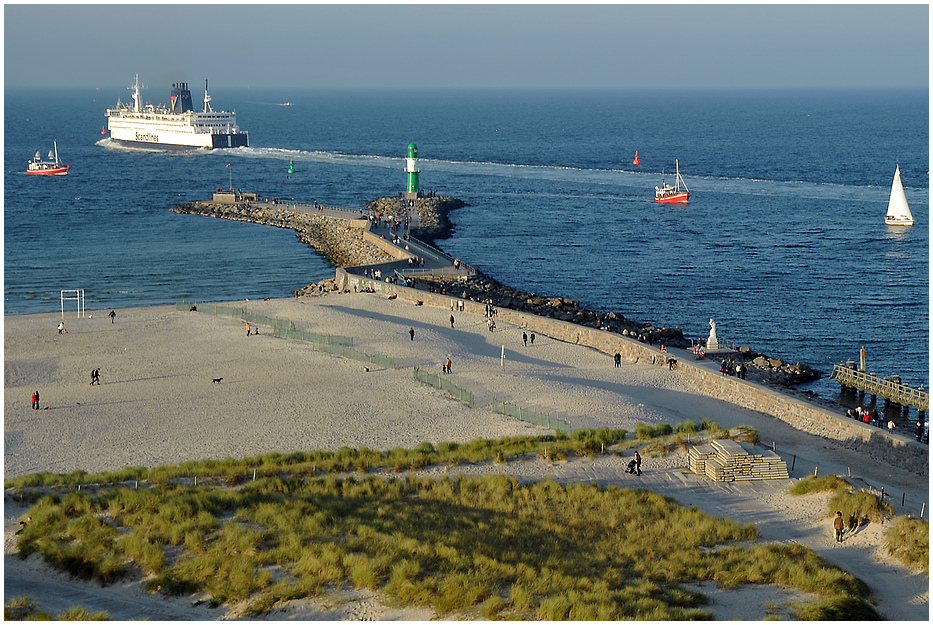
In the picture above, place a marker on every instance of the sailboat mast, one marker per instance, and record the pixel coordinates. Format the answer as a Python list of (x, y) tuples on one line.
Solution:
[(55, 143)]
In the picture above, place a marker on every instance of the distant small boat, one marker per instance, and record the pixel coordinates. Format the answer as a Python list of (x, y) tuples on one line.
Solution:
[(898, 211), (679, 193), (47, 168), (286, 104)]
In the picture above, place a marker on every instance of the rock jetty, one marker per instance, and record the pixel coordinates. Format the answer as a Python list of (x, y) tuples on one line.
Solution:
[(332, 237), (343, 244)]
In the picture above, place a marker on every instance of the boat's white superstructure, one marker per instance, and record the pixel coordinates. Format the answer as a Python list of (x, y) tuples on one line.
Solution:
[(898, 211), (176, 125)]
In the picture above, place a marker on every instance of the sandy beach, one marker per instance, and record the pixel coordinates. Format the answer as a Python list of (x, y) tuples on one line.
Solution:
[(157, 404)]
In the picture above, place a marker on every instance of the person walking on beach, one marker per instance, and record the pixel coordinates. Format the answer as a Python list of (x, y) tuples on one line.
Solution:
[(447, 365), (411, 333), (839, 526), (34, 402), (637, 463), (618, 359), (95, 376), (451, 321), (525, 338), (113, 315), (248, 331), (532, 338)]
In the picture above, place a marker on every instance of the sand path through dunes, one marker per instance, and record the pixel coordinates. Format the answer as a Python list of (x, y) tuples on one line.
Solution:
[(157, 405)]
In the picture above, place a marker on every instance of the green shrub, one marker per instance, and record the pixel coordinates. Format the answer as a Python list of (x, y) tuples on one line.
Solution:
[(687, 427)]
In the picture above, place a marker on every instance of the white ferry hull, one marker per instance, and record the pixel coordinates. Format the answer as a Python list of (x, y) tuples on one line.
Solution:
[(134, 136), (177, 127)]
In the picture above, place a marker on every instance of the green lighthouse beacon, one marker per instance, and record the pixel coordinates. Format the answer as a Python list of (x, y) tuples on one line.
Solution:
[(411, 168)]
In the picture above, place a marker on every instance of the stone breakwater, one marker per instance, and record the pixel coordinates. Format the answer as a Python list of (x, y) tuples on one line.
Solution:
[(344, 242), (339, 240)]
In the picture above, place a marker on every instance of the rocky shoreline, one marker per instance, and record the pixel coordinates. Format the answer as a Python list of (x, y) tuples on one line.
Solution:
[(344, 245)]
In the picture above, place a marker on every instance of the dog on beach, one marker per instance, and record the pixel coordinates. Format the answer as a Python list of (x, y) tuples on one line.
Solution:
[(217, 380)]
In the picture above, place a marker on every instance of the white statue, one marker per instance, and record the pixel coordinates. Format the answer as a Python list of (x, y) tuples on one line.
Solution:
[(712, 342)]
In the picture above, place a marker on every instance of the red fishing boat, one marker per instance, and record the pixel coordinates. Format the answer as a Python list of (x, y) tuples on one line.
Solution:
[(679, 193), (47, 168)]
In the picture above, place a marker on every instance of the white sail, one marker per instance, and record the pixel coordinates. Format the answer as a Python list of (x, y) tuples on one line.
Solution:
[(898, 210)]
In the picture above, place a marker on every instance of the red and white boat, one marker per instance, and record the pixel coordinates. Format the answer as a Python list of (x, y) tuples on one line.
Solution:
[(47, 168), (679, 193)]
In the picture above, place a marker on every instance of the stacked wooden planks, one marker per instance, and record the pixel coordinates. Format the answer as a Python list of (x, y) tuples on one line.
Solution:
[(728, 461)]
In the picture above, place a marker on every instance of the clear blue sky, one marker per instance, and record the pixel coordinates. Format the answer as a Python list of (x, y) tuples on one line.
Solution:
[(468, 46)]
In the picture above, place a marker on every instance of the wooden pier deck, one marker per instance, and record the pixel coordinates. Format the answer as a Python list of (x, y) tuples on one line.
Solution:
[(882, 387)]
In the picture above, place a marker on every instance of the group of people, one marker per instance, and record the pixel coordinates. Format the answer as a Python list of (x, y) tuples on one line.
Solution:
[(634, 465), (95, 377), (525, 338), (736, 369), (875, 418)]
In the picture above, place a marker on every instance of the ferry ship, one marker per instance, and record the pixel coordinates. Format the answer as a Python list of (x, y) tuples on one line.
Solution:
[(174, 126)]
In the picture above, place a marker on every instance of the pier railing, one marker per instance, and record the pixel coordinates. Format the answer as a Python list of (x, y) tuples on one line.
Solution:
[(882, 387)]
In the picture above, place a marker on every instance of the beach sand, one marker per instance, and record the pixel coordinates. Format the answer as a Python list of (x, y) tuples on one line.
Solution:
[(157, 404)]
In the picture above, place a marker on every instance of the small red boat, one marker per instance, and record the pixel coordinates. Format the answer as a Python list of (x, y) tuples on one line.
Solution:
[(679, 193), (47, 168)]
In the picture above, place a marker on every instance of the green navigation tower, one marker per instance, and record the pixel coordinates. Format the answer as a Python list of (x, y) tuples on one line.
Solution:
[(411, 168)]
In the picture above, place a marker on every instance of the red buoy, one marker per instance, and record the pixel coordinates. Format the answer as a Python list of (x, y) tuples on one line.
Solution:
[(635, 162), (103, 130)]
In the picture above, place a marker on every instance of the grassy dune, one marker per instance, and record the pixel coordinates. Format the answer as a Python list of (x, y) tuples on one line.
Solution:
[(486, 547)]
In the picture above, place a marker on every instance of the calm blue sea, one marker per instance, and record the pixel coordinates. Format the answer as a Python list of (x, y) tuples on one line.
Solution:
[(783, 242)]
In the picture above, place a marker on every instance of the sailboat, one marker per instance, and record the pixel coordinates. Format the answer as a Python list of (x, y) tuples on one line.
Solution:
[(49, 167), (679, 193), (898, 212)]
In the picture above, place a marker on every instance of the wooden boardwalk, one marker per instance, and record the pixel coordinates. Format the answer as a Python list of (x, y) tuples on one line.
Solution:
[(882, 387)]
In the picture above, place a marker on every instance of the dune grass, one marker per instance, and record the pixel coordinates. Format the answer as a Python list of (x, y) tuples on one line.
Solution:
[(26, 609), (811, 484), (474, 547), (908, 540), (857, 506)]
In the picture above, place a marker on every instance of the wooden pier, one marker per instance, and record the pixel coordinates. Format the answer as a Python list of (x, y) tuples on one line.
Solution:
[(888, 389)]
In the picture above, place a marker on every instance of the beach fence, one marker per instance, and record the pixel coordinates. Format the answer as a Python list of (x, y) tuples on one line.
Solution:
[(441, 382), (285, 329), (531, 416)]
